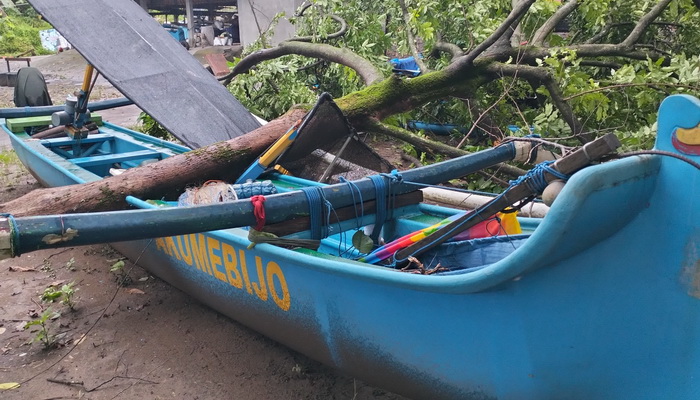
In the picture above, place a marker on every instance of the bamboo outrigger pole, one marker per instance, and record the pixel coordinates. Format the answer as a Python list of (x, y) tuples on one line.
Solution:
[(522, 190)]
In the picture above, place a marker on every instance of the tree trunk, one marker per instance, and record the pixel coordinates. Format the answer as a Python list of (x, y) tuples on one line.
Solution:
[(224, 161)]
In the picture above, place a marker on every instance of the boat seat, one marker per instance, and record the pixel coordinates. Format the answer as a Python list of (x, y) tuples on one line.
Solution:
[(116, 158), (66, 141)]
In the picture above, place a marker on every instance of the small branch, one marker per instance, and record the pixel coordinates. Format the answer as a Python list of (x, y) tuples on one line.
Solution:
[(582, 51), (600, 64), (608, 27), (481, 116), (483, 121), (339, 33), (450, 48), (644, 23), (516, 36), (500, 182), (546, 29), (621, 85), (367, 71), (120, 377), (548, 81), (431, 146), (600, 35), (64, 382), (567, 112), (416, 162), (653, 48), (411, 39), (261, 33), (513, 17)]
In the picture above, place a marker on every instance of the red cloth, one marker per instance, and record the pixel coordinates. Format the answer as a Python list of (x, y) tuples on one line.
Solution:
[(259, 211)]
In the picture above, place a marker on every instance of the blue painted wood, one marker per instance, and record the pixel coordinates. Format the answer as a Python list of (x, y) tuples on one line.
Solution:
[(602, 301), (116, 158), (38, 111)]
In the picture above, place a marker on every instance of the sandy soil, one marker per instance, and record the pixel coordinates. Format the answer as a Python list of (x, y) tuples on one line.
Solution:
[(145, 340)]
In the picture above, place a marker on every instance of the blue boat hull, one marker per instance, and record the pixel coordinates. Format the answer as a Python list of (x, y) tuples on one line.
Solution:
[(602, 301)]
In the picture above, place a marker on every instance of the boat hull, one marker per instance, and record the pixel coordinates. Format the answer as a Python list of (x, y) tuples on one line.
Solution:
[(601, 302), (576, 327)]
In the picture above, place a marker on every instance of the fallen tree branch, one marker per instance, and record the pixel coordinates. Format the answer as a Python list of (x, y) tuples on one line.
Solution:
[(644, 22), (543, 76), (411, 39), (339, 33), (431, 146), (546, 29), (365, 69)]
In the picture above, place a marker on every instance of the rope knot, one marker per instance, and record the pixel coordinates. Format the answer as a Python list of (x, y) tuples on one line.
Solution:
[(536, 180)]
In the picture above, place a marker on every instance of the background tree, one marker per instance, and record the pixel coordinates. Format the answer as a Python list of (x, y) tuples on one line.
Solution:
[(570, 69)]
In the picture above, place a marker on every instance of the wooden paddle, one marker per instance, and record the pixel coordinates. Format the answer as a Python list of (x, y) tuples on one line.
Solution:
[(567, 165)]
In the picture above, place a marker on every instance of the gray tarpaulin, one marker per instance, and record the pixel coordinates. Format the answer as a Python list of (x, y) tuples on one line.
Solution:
[(147, 65)]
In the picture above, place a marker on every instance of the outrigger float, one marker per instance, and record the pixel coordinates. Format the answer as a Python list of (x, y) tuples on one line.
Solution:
[(600, 299)]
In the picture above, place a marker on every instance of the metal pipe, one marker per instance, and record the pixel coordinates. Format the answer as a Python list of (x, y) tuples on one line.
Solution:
[(25, 234), (39, 111)]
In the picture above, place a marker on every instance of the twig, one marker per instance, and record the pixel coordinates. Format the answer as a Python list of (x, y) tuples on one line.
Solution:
[(120, 377), (551, 23), (621, 85), (54, 254), (64, 382), (411, 39)]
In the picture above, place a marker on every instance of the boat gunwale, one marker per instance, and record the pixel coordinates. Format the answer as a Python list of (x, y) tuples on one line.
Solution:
[(487, 277), (597, 178)]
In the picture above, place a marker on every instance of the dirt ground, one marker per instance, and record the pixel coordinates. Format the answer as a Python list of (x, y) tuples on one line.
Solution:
[(145, 340)]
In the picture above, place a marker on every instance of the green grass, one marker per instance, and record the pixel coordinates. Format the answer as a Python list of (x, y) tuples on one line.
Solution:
[(9, 157), (10, 165)]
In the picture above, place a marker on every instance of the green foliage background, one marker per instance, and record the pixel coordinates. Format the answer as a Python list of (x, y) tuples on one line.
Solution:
[(19, 32), (622, 98)]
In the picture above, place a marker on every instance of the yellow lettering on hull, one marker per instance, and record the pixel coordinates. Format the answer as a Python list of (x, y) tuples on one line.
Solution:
[(230, 265)]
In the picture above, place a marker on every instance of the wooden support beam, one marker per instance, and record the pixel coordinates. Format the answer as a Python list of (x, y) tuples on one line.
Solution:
[(190, 22)]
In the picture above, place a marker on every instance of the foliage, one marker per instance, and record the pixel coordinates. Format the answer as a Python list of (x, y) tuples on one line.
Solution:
[(119, 271), (44, 334), (64, 294), (151, 127), (19, 32), (617, 94), (270, 90)]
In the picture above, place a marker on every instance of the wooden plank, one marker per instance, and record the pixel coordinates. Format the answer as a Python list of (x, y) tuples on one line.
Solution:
[(218, 64), (115, 158), (66, 141), (17, 125)]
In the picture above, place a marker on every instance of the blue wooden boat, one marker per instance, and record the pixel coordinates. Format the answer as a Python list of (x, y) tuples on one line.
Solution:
[(600, 300)]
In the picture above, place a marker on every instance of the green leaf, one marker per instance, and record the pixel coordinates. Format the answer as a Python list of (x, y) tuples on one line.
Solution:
[(117, 266), (362, 242)]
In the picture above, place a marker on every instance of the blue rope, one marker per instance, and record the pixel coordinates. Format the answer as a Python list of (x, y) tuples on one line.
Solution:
[(381, 193), (355, 203), (318, 222), (14, 235), (384, 199), (535, 179)]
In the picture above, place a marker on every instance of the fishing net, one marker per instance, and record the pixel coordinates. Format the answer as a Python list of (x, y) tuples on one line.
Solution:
[(221, 192), (325, 128)]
